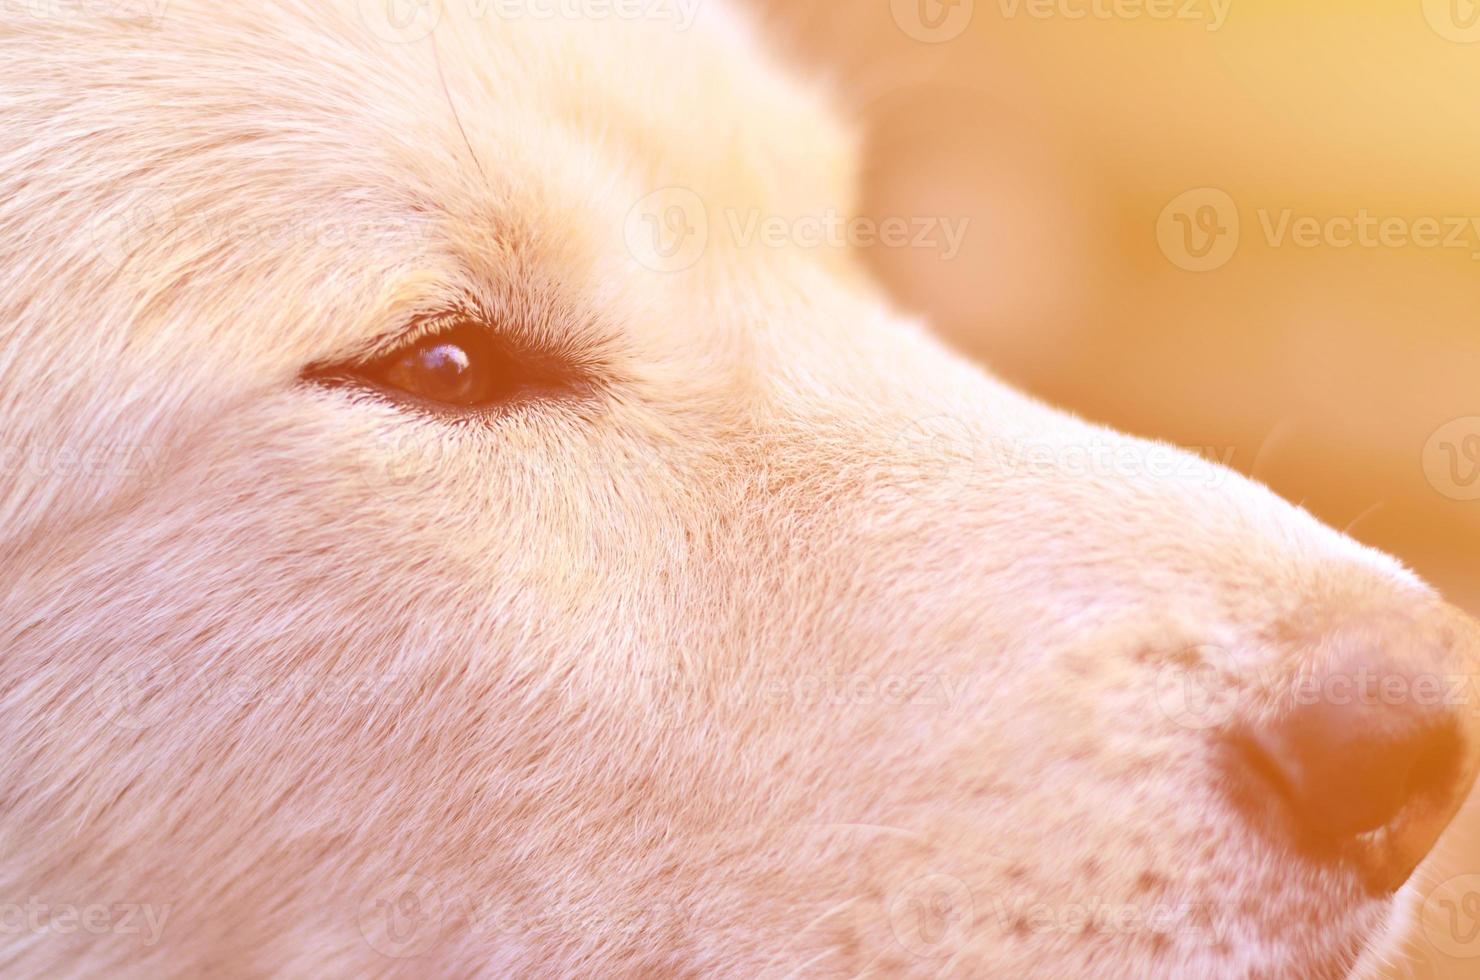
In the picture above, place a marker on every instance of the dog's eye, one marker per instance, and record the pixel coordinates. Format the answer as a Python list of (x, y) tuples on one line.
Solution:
[(458, 367), (461, 366)]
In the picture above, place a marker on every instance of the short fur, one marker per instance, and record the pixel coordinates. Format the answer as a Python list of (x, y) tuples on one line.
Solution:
[(608, 642)]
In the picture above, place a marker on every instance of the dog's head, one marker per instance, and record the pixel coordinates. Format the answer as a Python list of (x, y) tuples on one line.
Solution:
[(466, 513)]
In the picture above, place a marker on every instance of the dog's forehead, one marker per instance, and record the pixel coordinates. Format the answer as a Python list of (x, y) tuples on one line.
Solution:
[(354, 174)]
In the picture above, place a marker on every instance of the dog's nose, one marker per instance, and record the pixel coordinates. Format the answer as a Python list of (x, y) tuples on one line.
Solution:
[(1372, 760)]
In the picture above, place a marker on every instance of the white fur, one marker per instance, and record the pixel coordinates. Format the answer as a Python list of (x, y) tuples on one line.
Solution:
[(576, 620)]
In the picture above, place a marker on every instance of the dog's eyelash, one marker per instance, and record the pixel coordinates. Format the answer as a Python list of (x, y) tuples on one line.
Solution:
[(575, 342), (427, 324), (457, 364)]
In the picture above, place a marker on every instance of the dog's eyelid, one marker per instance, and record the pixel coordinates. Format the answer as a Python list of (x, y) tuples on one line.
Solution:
[(405, 338), (581, 346), (457, 362)]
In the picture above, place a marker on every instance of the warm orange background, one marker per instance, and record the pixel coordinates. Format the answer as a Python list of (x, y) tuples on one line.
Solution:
[(1325, 370)]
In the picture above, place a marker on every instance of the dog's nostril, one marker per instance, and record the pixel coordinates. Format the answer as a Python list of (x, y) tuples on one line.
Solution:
[(1347, 771), (1366, 778)]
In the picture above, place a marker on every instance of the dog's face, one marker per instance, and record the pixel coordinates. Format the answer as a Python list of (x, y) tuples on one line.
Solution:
[(438, 541)]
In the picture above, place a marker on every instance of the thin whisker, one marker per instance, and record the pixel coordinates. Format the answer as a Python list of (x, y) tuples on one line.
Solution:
[(1363, 516), (1270, 444), (457, 116)]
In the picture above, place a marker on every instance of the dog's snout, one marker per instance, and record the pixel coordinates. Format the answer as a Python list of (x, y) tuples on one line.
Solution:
[(1373, 755)]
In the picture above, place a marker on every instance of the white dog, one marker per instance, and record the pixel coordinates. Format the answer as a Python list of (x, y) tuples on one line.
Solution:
[(435, 543)]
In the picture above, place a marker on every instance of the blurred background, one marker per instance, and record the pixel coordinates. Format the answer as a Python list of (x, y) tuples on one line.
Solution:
[(1250, 227)]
